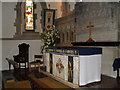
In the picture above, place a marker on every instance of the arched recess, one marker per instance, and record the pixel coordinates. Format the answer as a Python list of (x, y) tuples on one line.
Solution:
[(67, 7), (21, 33)]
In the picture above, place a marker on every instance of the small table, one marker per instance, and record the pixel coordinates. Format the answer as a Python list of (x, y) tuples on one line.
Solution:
[(37, 62)]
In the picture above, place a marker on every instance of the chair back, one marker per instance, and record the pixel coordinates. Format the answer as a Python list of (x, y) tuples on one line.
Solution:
[(39, 58), (24, 52)]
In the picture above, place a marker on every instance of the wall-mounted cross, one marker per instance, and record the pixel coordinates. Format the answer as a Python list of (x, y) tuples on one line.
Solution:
[(90, 32)]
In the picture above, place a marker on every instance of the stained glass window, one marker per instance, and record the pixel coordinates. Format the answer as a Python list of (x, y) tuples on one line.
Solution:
[(29, 15)]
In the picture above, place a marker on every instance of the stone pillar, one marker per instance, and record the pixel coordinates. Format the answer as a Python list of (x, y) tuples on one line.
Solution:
[(18, 19)]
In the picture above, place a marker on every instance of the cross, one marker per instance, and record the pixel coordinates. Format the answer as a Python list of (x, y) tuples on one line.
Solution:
[(59, 65), (90, 32)]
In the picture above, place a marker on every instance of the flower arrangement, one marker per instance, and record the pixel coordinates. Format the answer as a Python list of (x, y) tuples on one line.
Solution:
[(50, 38)]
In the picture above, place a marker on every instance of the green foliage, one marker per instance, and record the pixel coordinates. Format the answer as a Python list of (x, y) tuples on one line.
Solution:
[(49, 38)]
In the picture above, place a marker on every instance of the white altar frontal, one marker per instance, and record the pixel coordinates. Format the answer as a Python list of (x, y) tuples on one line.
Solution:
[(78, 65)]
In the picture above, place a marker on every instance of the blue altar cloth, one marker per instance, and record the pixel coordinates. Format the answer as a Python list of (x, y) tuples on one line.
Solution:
[(75, 50)]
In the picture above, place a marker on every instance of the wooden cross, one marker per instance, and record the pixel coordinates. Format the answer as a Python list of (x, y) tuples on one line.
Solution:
[(90, 32)]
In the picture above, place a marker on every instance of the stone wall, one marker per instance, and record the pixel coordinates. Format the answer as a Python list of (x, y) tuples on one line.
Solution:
[(104, 17), (106, 20), (66, 26)]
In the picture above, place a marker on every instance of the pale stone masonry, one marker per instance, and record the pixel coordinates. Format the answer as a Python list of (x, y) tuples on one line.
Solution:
[(103, 15)]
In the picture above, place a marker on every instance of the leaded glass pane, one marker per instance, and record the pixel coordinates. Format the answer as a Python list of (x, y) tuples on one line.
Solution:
[(29, 15)]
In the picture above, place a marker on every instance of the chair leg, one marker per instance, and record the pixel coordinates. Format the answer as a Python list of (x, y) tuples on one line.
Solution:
[(19, 66), (25, 65), (38, 68), (9, 66), (35, 67), (29, 67)]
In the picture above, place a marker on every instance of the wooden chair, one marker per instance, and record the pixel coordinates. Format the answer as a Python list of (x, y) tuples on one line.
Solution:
[(23, 56), (38, 60), (11, 62)]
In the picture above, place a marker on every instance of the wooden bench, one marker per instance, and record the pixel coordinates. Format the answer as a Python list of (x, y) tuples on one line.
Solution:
[(47, 83), (11, 62), (18, 85)]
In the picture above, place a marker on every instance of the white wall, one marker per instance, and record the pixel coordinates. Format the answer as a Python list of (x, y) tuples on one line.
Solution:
[(10, 48), (0, 55), (0, 35), (0, 19), (108, 56), (8, 19), (0, 44)]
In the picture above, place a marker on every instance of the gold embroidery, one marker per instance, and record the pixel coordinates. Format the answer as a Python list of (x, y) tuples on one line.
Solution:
[(70, 74), (59, 65)]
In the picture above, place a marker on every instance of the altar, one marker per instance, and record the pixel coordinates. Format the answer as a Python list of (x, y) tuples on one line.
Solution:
[(78, 65)]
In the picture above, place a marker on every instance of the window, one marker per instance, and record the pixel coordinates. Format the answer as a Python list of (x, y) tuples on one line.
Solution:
[(28, 22), (29, 15)]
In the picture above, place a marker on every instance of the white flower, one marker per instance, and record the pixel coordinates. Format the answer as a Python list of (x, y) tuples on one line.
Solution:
[(49, 38)]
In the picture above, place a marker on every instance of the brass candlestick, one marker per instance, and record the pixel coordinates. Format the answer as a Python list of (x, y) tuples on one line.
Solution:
[(90, 32)]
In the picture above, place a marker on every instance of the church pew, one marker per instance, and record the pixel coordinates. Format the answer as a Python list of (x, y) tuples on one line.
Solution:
[(11, 62), (47, 83), (18, 85)]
